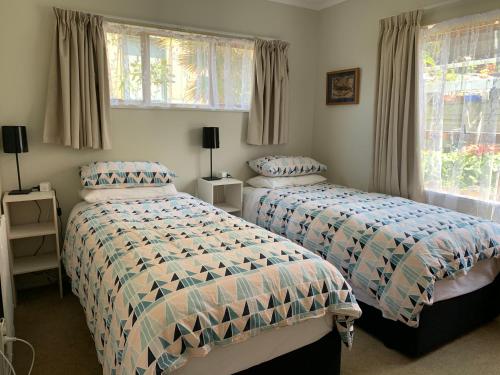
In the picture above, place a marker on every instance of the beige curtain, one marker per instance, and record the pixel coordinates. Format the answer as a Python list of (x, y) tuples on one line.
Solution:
[(396, 165), (268, 119), (77, 110)]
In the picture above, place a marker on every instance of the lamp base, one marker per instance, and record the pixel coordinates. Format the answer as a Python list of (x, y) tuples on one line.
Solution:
[(19, 192), (212, 178)]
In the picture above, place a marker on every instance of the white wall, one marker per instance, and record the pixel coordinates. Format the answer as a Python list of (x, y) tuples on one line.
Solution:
[(169, 136), (348, 37)]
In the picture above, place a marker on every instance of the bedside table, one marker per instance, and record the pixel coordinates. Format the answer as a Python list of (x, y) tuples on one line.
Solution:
[(226, 194), (29, 228)]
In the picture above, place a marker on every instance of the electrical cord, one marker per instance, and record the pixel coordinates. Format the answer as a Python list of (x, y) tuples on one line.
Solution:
[(15, 339), (59, 212), (39, 246), (38, 221), (39, 211), (12, 371)]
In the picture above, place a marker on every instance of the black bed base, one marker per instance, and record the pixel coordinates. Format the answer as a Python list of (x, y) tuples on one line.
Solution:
[(440, 323), (322, 355)]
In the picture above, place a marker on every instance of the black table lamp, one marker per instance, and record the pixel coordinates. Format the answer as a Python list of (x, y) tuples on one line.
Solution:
[(15, 142), (211, 141)]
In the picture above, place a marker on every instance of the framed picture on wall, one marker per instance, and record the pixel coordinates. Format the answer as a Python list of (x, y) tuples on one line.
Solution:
[(342, 86)]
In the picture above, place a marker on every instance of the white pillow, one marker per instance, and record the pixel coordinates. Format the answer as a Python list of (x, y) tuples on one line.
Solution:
[(280, 182), (99, 195)]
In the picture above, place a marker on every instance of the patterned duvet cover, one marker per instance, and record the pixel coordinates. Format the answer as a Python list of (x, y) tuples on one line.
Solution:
[(163, 279), (392, 248)]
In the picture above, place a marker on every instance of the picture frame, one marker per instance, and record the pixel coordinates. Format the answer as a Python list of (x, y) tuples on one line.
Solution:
[(342, 86)]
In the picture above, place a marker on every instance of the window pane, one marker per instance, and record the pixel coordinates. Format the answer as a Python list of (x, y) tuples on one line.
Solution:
[(125, 66), (190, 82), (233, 74), (179, 70), (161, 67)]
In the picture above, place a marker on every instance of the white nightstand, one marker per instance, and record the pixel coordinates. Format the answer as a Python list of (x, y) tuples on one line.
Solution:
[(27, 228), (226, 194)]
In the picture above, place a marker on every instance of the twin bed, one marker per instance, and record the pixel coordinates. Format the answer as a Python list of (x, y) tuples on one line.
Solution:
[(171, 283), (423, 275), (167, 281)]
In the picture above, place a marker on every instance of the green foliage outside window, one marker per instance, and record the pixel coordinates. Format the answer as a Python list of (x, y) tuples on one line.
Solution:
[(463, 170)]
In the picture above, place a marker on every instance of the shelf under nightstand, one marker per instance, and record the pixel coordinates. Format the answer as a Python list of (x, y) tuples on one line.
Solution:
[(227, 207), (226, 194), (21, 230), (31, 230), (41, 262)]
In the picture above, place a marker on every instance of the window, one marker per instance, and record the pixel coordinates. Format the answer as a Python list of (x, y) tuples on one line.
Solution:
[(155, 67), (460, 107)]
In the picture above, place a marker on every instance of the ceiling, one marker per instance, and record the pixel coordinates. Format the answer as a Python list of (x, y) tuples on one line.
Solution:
[(310, 4)]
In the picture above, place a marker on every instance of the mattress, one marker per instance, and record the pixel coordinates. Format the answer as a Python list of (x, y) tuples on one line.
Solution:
[(167, 282), (481, 275), (231, 359), (356, 231)]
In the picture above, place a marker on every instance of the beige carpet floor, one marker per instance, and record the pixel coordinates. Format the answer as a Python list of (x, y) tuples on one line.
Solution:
[(59, 333)]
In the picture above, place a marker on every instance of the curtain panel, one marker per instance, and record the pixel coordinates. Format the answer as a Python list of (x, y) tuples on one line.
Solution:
[(268, 118), (77, 109), (396, 163)]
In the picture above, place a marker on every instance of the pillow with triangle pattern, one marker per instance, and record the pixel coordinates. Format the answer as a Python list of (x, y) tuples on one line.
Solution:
[(279, 165), (124, 174)]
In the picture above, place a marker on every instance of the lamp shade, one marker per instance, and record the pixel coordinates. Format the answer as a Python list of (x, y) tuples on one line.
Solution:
[(14, 139), (211, 137)]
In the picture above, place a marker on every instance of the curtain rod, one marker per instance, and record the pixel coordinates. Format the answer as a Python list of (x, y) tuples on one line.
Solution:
[(461, 29), (173, 27), (449, 2), (440, 4)]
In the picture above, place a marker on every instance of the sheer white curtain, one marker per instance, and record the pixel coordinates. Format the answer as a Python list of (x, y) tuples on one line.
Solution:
[(160, 67), (460, 105), (232, 64)]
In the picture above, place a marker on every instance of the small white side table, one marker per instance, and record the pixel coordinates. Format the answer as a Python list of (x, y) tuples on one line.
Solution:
[(226, 194), (48, 227)]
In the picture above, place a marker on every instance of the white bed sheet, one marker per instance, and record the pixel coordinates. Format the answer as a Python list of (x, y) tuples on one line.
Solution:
[(262, 348), (226, 360), (484, 273), (251, 197)]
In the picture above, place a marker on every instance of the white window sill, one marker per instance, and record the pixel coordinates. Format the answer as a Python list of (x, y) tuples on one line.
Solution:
[(176, 108), (464, 198), (469, 205)]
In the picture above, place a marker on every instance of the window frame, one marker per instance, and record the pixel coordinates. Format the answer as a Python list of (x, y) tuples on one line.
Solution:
[(144, 32)]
